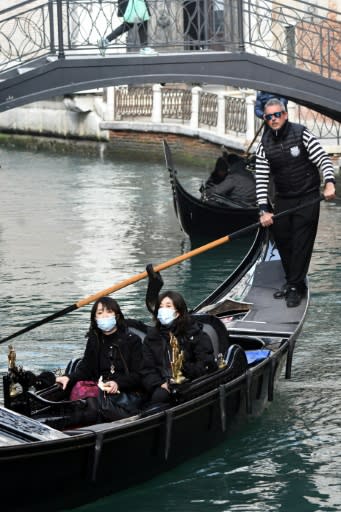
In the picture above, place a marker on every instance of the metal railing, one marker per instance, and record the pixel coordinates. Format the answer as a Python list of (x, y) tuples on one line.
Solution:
[(134, 103), (176, 104), (235, 114), (295, 32), (208, 109)]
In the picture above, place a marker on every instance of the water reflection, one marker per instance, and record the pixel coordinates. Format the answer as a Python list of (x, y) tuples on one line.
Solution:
[(72, 226)]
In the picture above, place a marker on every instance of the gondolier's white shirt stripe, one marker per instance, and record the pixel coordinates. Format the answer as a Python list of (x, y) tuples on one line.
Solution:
[(316, 154)]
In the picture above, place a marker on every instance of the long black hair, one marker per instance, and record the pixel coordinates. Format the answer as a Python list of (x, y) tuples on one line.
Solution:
[(183, 320), (110, 305)]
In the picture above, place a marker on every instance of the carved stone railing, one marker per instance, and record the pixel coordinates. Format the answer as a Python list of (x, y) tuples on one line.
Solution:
[(223, 113)]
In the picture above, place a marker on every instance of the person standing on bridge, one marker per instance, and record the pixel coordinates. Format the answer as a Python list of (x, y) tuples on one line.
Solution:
[(133, 12), (294, 158), (262, 98)]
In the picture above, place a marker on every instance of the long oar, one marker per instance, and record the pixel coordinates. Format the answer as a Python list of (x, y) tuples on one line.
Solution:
[(157, 268)]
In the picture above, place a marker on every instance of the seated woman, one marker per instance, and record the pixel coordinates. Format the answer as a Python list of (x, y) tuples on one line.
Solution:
[(113, 354), (172, 319)]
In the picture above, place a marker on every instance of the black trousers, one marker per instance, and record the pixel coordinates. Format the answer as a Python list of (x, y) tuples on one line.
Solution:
[(160, 395), (125, 26), (295, 235)]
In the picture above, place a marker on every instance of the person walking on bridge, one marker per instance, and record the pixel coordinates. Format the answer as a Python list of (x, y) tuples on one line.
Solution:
[(293, 157), (133, 12), (262, 98)]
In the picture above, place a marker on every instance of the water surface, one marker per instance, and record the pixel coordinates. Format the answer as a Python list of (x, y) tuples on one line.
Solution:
[(71, 226)]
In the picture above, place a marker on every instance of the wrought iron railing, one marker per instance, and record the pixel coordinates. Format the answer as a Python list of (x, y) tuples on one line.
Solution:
[(176, 105), (133, 102), (208, 109), (296, 32), (235, 114)]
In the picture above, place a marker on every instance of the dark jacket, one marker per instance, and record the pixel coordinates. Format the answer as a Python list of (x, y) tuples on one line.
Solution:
[(115, 357), (198, 354), (294, 174), (262, 98), (239, 186)]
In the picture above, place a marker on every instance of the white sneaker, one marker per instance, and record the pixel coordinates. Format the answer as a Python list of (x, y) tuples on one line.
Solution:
[(148, 51), (103, 44)]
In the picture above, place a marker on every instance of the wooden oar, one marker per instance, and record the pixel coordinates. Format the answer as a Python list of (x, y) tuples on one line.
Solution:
[(157, 268)]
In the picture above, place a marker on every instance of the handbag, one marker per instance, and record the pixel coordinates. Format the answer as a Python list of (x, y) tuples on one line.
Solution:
[(119, 405), (84, 389), (136, 12)]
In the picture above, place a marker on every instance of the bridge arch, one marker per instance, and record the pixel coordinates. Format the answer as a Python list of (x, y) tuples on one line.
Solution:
[(242, 69)]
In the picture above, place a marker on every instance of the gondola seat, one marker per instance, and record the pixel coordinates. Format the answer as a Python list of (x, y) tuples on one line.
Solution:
[(216, 331), (51, 405), (236, 365)]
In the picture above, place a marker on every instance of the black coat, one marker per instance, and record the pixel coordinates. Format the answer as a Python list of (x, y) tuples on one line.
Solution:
[(198, 354), (238, 186), (115, 357)]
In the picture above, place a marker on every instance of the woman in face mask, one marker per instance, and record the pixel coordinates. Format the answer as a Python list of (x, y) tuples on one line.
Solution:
[(172, 318), (112, 353)]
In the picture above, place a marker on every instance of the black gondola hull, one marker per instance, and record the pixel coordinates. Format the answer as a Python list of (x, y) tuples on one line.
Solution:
[(82, 465), (106, 458), (199, 218)]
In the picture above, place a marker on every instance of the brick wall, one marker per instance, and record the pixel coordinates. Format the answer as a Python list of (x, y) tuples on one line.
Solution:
[(186, 149)]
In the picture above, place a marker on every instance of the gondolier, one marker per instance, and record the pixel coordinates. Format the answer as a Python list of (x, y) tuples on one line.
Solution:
[(293, 157)]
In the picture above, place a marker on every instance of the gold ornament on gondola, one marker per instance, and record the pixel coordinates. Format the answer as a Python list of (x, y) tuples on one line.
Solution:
[(12, 356), (14, 388), (176, 361), (221, 361)]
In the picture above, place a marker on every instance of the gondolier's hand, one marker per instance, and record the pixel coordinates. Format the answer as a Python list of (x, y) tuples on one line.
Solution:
[(63, 380), (329, 191), (266, 219)]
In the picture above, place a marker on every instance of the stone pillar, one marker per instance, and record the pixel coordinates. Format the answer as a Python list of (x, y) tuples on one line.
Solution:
[(221, 114), (157, 104), (292, 111), (110, 104), (195, 108), (250, 118)]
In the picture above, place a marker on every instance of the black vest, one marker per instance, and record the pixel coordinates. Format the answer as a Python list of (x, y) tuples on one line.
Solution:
[(293, 173)]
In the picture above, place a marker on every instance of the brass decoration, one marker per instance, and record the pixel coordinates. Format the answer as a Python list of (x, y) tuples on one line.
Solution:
[(12, 356), (221, 361), (14, 388), (176, 361)]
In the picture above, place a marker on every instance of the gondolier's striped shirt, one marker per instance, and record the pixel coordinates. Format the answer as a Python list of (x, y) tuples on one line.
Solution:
[(316, 154)]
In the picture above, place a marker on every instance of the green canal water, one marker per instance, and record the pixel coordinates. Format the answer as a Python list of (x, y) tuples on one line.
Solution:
[(71, 226)]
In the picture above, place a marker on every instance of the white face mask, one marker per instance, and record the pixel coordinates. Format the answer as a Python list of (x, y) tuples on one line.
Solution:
[(166, 315), (106, 324)]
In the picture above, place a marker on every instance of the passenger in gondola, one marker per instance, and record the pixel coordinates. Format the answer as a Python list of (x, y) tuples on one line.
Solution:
[(238, 187), (218, 174), (112, 357), (176, 348)]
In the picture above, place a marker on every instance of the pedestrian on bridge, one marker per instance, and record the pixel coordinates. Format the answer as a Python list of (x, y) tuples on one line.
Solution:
[(262, 98), (133, 12), (293, 157)]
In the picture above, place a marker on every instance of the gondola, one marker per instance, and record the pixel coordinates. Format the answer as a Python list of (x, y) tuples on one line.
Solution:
[(200, 218), (45, 468)]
